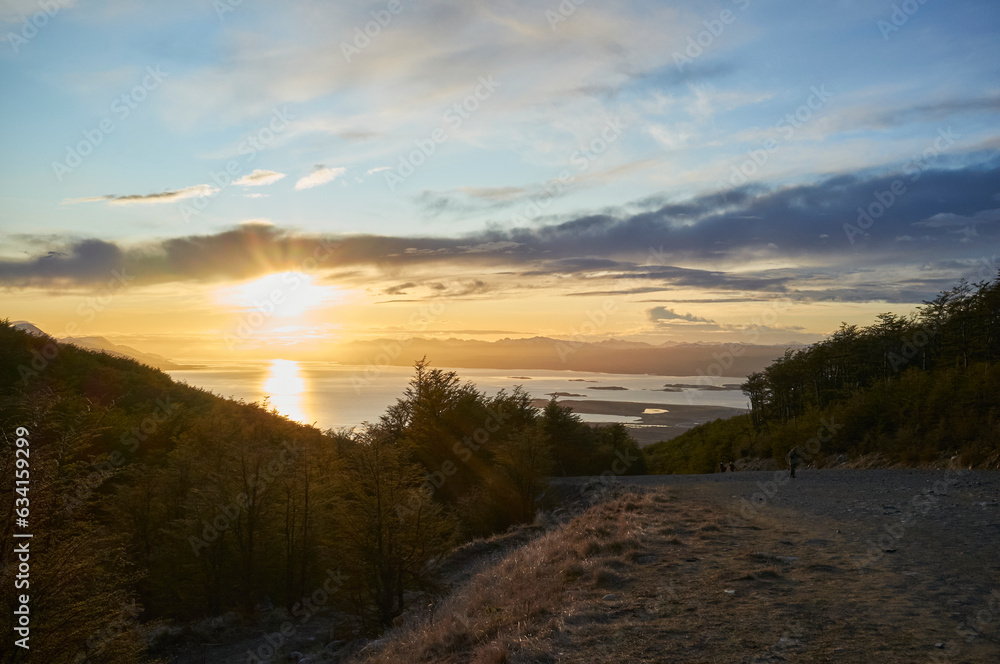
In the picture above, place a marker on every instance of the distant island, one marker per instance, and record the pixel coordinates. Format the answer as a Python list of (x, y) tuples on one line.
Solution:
[(680, 387)]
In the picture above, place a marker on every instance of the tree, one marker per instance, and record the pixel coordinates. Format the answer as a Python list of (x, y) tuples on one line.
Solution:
[(390, 526), (524, 460)]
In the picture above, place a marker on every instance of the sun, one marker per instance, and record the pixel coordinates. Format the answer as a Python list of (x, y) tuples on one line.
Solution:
[(282, 294)]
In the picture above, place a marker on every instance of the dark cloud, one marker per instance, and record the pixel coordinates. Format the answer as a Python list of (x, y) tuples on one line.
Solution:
[(399, 289), (451, 289), (659, 314), (687, 277), (619, 252), (85, 261), (619, 292)]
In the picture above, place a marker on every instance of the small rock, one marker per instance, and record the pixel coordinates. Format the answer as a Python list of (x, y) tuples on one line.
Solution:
[(939, 645), (729, 592), (610, 597)]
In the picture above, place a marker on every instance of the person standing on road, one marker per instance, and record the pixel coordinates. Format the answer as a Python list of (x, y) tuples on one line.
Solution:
[(794, 458)]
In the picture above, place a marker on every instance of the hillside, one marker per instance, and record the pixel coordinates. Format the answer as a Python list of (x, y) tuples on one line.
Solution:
[(676, 569), (105, 346), (905, 390), (160, 507)]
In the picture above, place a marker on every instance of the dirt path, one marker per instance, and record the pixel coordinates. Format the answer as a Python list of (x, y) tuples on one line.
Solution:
[(888, 566)]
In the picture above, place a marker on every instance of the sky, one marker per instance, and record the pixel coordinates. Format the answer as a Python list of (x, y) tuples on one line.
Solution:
[(247, 179)]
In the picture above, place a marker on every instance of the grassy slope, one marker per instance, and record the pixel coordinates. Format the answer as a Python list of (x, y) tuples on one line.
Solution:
[(671, 574)]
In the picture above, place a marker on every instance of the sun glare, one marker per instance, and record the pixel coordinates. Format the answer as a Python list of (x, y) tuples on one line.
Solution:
[(282, 294)]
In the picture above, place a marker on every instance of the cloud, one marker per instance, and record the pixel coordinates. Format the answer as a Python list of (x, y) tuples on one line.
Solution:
[(453, 289), (660, 314), (490, 247), (259, 178), (150, 199), (398, 289), (378, 169), (709, 244), (256, 195), (83, 262), (947, 219), (85, 199), (533, 197), (494, 193), (321, 175)]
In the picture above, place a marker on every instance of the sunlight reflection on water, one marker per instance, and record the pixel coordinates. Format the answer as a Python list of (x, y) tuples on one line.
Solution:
[(285, 386)]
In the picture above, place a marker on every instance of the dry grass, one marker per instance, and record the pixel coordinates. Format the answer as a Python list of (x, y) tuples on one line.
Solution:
[(504, 613), (651, 578)]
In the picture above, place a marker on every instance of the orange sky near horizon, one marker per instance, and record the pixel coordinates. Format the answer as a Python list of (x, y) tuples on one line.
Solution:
[(290, 315)]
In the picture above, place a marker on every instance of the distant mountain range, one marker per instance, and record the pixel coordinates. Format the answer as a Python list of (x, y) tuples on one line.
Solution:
[(103, 345), (610, 356)]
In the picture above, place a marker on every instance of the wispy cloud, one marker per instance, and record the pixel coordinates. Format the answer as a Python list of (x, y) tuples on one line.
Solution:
[(259, 178), (85, 199), (149, 199), (321, 175)]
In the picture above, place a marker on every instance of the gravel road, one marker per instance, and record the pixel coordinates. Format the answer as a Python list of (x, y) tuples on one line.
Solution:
[(916, 552)]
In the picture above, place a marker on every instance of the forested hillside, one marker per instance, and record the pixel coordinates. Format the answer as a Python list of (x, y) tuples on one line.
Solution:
[(153, 502), (915, 389)]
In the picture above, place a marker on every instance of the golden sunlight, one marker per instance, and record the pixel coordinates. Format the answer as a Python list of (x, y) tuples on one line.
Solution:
[(282, 294), (284, 387)]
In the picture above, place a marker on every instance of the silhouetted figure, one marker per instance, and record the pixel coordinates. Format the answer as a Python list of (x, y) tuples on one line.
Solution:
[(794, 458), (732, 467), (722, 466)]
